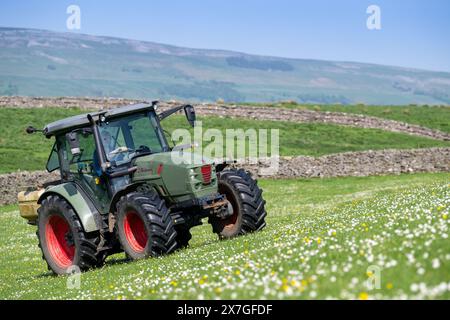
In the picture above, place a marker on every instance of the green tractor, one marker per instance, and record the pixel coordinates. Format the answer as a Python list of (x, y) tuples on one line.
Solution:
[(123, 188)]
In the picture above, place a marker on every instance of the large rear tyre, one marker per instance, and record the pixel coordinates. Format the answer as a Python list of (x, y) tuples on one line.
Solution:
[(244, 195), (144, 226), (63, 242)]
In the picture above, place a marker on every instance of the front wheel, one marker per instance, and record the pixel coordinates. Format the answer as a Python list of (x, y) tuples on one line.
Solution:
[(245, 197), (144, 226)]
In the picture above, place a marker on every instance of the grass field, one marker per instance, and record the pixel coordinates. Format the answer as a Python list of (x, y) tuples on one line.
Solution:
[(435, 117), (324, 239), (19, 151)]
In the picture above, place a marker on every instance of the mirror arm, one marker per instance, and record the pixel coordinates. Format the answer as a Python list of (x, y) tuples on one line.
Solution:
[(31, 130), (169, 112)]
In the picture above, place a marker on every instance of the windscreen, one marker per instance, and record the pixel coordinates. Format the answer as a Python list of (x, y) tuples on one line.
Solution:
[(131, 136)]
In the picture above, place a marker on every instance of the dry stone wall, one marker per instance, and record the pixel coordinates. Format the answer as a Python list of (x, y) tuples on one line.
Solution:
[(364, 163)]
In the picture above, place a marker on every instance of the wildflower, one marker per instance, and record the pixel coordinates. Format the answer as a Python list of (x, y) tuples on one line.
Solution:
[(436, 263), (238, 272), (363, 296), (319, 241), (173, 283), (445, 216), (414, 287), (389, 285)]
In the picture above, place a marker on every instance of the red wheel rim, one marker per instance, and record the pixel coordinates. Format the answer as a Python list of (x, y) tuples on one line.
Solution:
[(135, 232), (59, 240)]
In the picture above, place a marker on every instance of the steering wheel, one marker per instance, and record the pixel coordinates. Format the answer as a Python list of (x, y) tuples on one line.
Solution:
[(120, 150)]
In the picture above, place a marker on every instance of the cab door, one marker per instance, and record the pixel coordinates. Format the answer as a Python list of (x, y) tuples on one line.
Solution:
[(80, 169)]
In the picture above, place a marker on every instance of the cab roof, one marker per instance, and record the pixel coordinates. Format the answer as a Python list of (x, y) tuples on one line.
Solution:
[(80, 121)]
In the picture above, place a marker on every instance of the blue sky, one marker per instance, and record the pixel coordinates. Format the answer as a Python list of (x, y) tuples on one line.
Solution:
[(413, 33)]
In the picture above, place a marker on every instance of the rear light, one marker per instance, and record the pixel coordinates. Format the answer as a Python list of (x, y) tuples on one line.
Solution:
[(206, 173)]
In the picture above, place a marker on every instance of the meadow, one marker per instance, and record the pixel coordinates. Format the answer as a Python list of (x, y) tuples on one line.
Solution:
[(379, 237), (325, 239), (434, 117)]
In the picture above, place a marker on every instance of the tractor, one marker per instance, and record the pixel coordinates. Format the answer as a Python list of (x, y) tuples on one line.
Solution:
[(123, 187)]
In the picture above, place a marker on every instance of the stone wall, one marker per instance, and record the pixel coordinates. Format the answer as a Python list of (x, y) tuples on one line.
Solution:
[(364, 163), (359, 164)]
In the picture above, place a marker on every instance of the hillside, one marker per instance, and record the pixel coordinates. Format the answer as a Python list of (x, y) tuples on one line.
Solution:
[(46, 63)]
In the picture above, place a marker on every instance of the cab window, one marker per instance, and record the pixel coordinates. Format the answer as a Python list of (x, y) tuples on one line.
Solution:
[(53, 160), (82, 163)]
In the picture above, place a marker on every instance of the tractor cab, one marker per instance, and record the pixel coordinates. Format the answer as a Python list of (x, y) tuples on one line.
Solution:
[(99, 151), (99, 154)]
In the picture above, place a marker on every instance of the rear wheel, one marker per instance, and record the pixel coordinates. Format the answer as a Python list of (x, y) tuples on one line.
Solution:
[(144, 225), (244, 195), (62, 239)]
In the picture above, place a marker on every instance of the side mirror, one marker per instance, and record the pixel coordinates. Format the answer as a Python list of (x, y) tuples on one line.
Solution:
[(74, 143), (190, 114), (31, 130)]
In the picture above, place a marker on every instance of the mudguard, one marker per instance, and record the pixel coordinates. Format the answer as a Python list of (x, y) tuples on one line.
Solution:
[(89, 216), (129, 188)]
